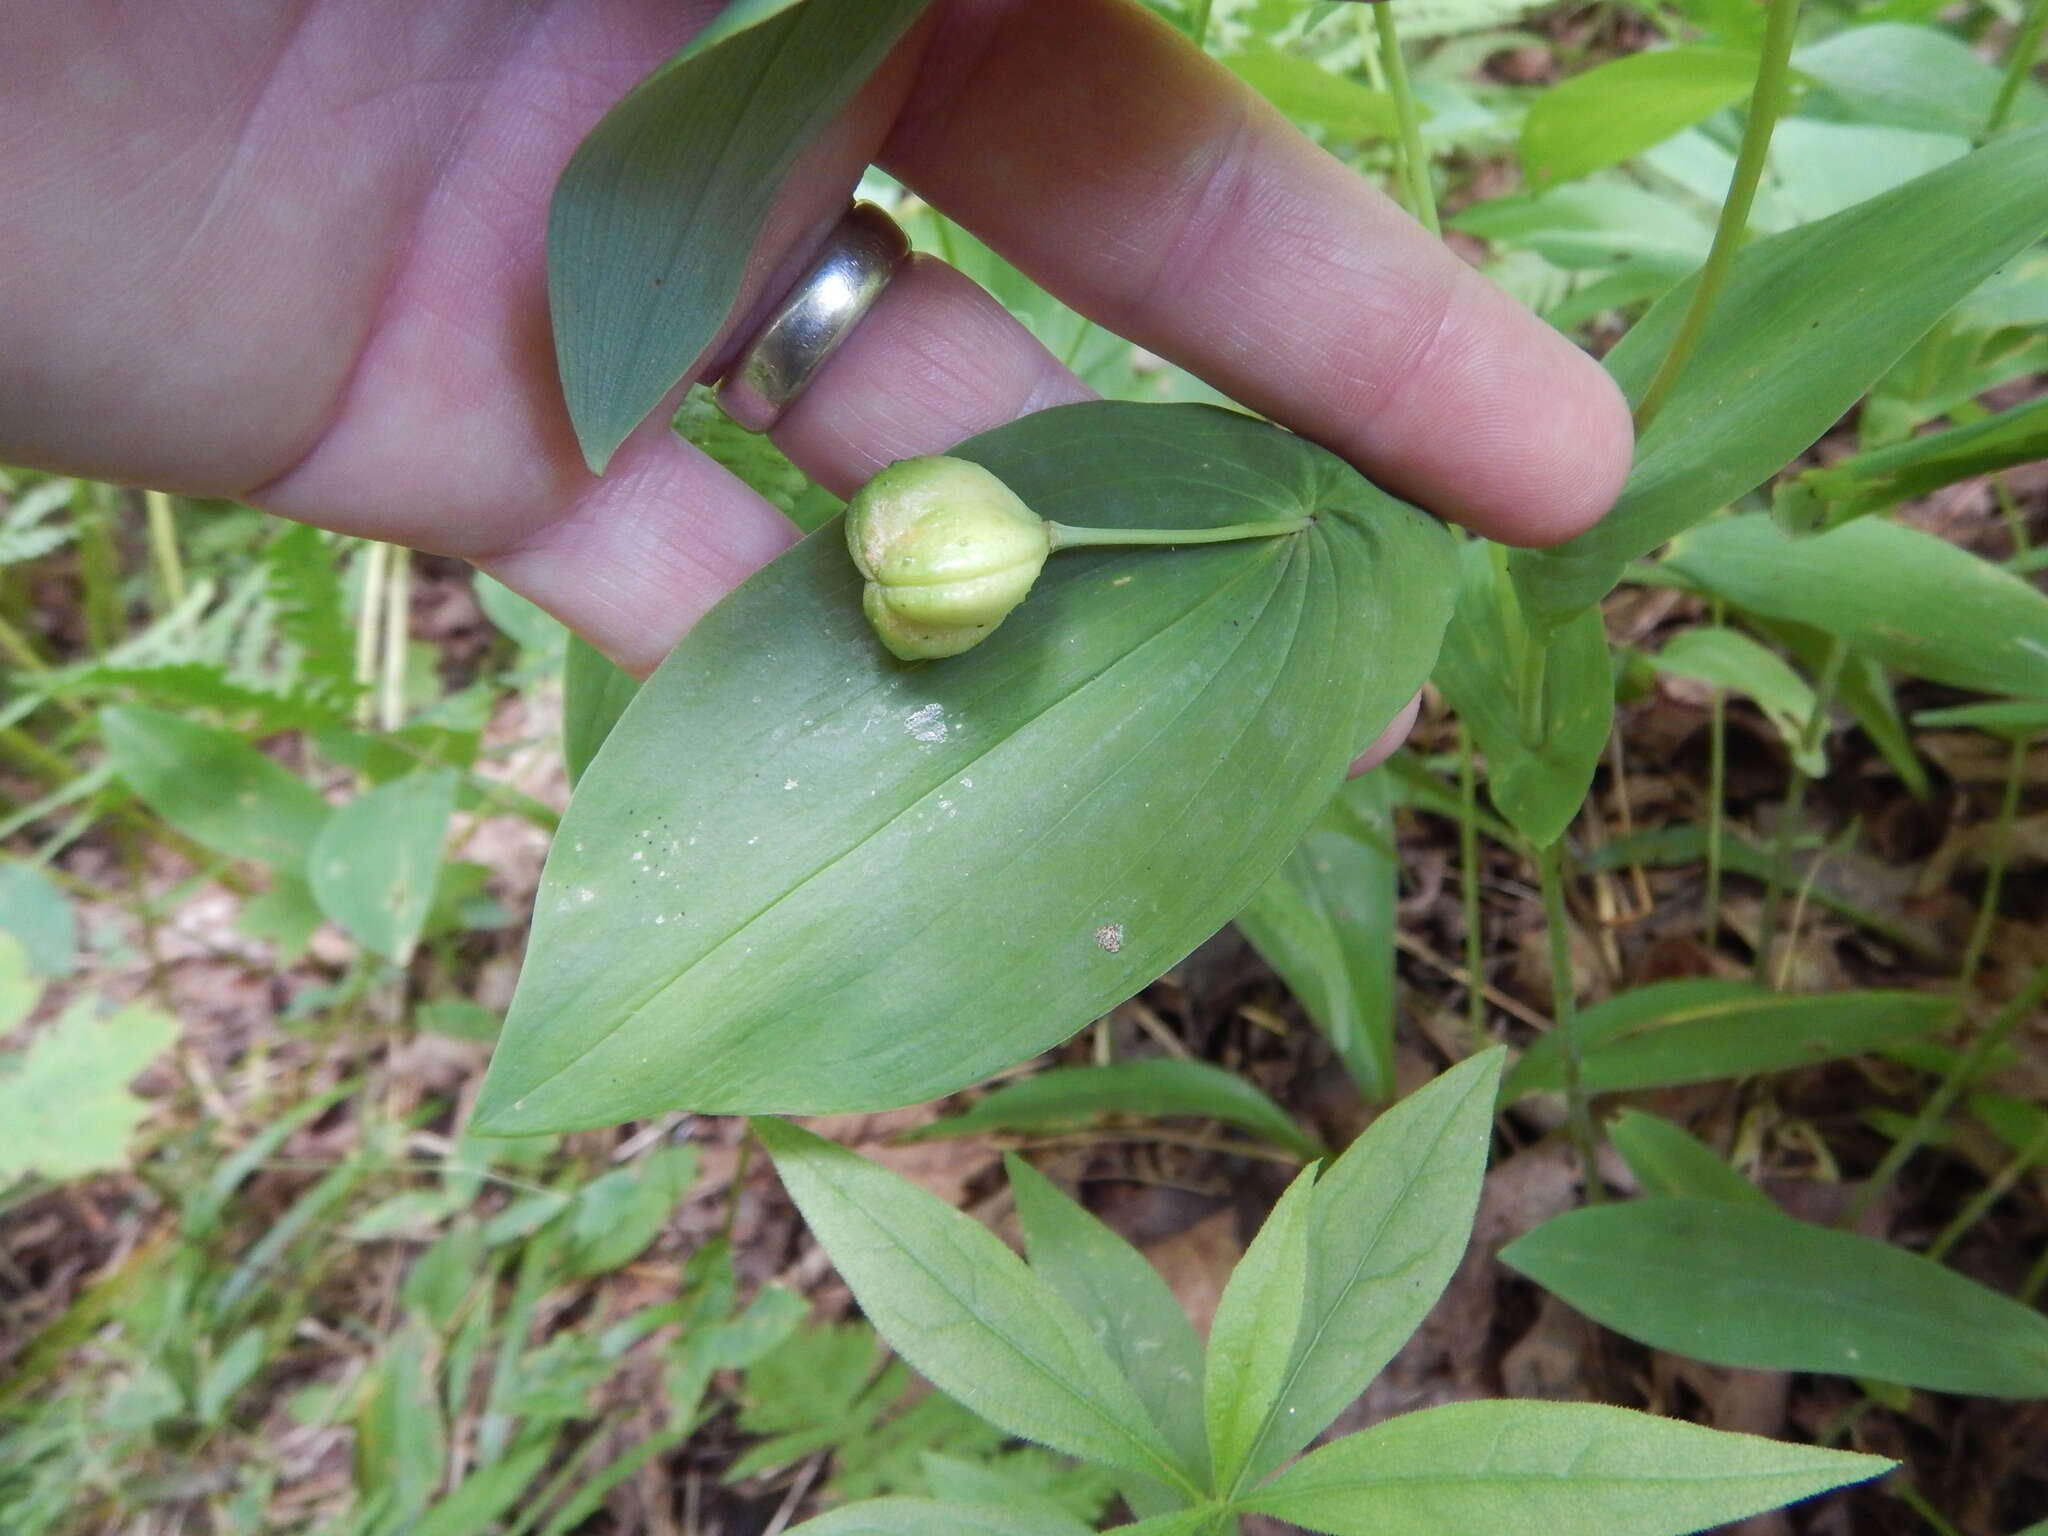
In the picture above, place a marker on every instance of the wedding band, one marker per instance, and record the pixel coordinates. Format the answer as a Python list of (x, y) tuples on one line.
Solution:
[(860, 256)]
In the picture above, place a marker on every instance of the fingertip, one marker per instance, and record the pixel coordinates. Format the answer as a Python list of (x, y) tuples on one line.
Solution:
[(1389, 741), (1581, 443)]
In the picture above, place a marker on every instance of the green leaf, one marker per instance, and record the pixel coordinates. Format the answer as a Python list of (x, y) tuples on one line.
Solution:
[(1909, 77), (1668, 1161), (1325, 923), (1161, 1086), (1314, 94), (1388, 1223), (65, 1108), (616, 1216), (964, 1310), (1883, 477), (1729, 659), (930, 1517), (1739, 1286), (2007, 717), (1572, 1467), (20, 991), (38, 914), (214, 787), (519, 619), (1617, 110), (1251, 1342), (487, 1493), (595, 692), (1698, 1029), (302, 576), (656, 216), (1538, 783), (1947, 615), (1809, 321), (374, 865), (761, 894), (1125, 1303)]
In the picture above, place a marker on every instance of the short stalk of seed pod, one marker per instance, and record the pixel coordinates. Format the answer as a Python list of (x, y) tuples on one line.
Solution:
[(948, 551)]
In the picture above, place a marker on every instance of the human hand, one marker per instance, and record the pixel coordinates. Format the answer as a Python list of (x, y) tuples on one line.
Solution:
[(293, 255)]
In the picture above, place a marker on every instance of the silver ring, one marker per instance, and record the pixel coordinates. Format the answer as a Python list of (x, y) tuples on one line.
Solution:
[(860, 256)]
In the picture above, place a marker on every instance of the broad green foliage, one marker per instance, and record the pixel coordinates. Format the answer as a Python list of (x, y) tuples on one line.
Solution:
[(595, 692), (65, 1107), (1161, 1086), (1727, 658), (1620, 108), (1325, 923), (1536, 770), (762, 891), (1698, 1029), (36, 913), (373, 866), (1741, 1286), (964, 1310), (1883, 477), (1547, 1466), (1810, 320), (1895, 593), (1908, 77), (215, 787), (1667, 1161), (1345, 1267), (653, 221)]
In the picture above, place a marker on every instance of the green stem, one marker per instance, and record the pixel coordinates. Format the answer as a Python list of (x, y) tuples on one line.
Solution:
[(1468, 876), (1993, 1192), (1766, 102), (1420, 191), (397, 631), (1066, 536), (163, 546), (1795, 802), (1717, 785), (2025, 48), (1565, 1014), (1198, 22), (1958, 1078), (1994, 874)]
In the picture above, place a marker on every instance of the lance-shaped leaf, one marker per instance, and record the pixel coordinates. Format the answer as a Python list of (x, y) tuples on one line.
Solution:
[(1537, 778), (1737, 1285), (1810, 319), (1567, 1467), (1325, 922), (963, 1309), (657, 214), (1940, 612), (1388, 1223), (1619, 109), (1252, 1339), (934, 1517), (1699, 1028), (803, 876)]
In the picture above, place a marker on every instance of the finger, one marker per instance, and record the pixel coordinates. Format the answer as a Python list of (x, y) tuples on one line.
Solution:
[(1152, 190), (1390, 739), (934, 362)]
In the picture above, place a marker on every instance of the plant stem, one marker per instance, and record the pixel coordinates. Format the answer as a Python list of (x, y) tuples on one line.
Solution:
[(1950, 1089), (1994, 874), (1766, 102), (376, 557), (1565, 1011), (1717, 786), (1198, 22), (1795, 802), (1065, 536), (397, 627), (1468, 879), (2025, 47), (1993, 1192), (163, 546), (1420, 192)]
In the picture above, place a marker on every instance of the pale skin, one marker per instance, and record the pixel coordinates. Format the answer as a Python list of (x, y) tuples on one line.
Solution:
[(290, 252)]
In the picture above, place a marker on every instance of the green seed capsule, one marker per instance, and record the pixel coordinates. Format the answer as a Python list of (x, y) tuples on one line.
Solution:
[(947, 549)]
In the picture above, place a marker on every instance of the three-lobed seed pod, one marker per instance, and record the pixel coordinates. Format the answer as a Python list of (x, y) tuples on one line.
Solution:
[(947, 549)]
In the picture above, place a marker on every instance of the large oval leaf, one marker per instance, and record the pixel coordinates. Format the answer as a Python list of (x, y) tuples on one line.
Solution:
[(655, 217), (1810, 320), (1740, 1286), (802, 876)]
